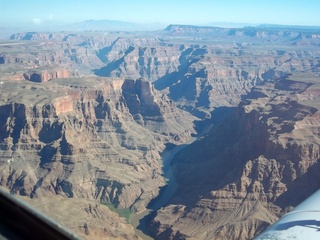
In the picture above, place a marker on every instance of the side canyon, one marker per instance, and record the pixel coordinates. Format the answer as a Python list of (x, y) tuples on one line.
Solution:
[(85, 118)]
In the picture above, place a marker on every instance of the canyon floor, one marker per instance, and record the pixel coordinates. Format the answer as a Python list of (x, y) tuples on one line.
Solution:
[(85, 118)]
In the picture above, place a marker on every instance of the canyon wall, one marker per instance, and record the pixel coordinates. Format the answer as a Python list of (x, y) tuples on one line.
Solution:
[(86, 116), (125, 127), (200, 68), (246, 172), (89, 138)]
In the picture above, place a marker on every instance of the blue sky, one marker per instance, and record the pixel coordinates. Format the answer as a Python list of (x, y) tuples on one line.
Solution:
[(37, 12)]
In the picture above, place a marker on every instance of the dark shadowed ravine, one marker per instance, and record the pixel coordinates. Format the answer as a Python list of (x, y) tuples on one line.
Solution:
[(138, 221)]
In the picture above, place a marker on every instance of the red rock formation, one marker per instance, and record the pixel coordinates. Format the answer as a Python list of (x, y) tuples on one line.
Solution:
[(62, 105), (45, 75)]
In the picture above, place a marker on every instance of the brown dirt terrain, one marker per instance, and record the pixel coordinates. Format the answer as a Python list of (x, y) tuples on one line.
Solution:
[(89, 219)]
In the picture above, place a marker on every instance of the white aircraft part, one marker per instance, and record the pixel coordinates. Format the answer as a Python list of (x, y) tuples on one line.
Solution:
[(302, 223)]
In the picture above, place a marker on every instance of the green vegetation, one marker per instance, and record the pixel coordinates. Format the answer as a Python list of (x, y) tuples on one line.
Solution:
[(123, 212)]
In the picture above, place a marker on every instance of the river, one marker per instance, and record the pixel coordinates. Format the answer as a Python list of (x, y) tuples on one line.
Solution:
[(138, 220)]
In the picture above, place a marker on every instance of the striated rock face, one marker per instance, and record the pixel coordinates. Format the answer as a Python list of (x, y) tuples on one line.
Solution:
[(36, 36), (85, 125), (262, 33), (59, 56), (140, 57), (87, 138), (240, 178), (200, 68), (208, 74), (45, 76), (62, 105)]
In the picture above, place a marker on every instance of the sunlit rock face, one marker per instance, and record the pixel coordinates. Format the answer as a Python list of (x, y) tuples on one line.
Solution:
[(85, 116), (66, 126), (200, 68), (245, 173), (45, 76)]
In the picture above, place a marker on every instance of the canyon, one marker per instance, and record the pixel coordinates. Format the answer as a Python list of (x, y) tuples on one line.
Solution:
[(258, 163), (85, 118)]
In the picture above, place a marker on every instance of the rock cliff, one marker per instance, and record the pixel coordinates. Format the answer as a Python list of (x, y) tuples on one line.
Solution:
[(245, 173), (125, 126), (200, 68), (45, 76), (88, 138), (85, 116), (205, 74)]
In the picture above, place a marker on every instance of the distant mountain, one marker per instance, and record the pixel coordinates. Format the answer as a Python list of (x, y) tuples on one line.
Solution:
[(111, 25), (88, 25)]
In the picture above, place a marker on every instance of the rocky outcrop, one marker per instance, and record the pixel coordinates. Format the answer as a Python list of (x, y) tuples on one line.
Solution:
[(200, 68), (36, 36), (202, 77), (88, 138), (140, 57), (62, 105), (246, 172), (51, 58), (71, 133), (264, 33), (45, 76)]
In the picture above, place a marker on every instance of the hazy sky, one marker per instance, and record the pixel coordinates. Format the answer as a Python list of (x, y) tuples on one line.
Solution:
[(37, 12)]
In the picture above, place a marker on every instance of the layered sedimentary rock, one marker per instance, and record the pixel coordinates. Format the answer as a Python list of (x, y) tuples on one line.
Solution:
[(246, 173), (88, 138), (200, 68), (211, 72), (68, 122), (263, 33), (67, 132), (45, 75)]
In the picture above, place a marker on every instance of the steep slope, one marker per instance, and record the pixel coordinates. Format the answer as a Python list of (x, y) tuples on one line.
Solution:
[(88, 138), (200, 75), (200, 68), (240, 178), (66, 132)]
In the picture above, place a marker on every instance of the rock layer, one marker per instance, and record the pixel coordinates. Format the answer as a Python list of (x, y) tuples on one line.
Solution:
[(70, 133), (87, 138), (245, 173), (200, 68)]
